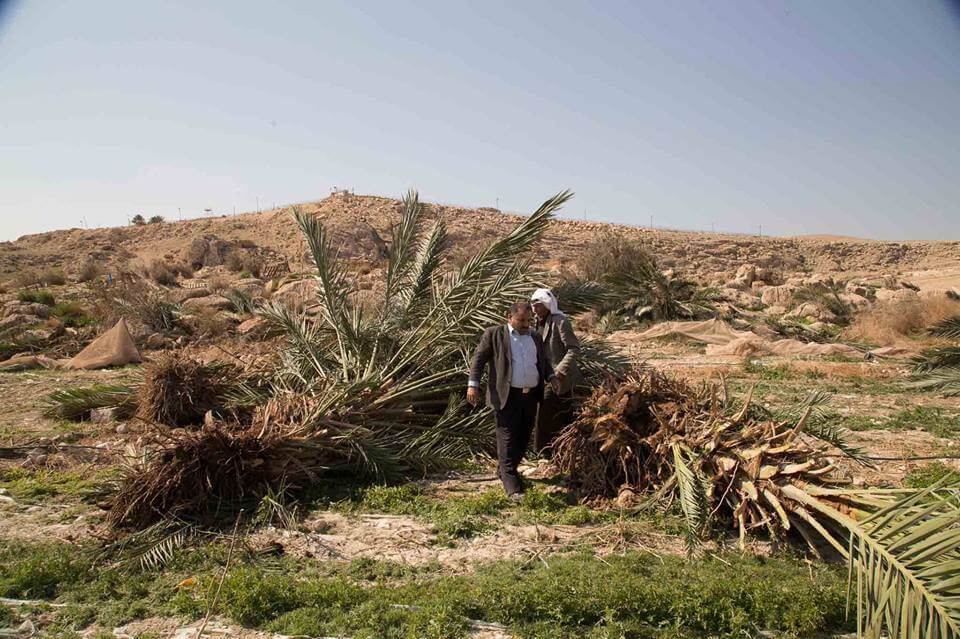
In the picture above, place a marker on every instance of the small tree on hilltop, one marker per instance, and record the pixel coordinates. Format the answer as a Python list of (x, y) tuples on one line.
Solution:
[(137, 220), (156, 219)]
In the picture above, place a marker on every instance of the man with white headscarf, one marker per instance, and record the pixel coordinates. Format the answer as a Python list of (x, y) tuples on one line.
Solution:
[(562, 349)]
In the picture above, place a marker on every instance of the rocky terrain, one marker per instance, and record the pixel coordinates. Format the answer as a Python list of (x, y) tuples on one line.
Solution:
[(363, 222)]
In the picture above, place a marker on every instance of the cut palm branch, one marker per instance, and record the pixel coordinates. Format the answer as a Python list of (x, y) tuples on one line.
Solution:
[(75, 404)]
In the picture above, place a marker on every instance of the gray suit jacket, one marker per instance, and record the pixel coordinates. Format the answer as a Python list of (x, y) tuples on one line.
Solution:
[(493, 352), (562, 348)]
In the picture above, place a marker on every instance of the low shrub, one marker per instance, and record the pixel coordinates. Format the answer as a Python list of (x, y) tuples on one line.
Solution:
[(90, 270), (37, 297), (155, 219), (887, 323), (161, 273), (929, 474)]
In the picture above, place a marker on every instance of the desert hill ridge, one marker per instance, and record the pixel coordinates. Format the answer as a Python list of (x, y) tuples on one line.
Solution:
[(362, 222)]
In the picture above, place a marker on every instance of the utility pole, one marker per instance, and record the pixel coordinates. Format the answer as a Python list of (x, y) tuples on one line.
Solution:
[(651, 222), (180, 213), (258, 204), (498, 202)]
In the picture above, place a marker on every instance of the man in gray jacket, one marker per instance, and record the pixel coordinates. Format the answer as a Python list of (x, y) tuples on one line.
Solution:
[(517, 371), (562, 348)]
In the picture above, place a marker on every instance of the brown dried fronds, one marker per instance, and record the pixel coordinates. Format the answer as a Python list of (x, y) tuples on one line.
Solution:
[(178, 390), (664, 438), (196, 474)]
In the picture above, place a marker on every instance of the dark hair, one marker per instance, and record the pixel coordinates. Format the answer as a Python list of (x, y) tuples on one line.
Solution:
[(516, 306)]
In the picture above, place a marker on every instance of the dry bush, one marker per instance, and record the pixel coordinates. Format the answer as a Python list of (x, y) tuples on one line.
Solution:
[(887, 323), (161, 273), (217, 284), (52, 277), (208, 323), (244, 261), (234, 261), (178, 390), (90, 270), (182, 269), (26, 278), (610, 254), (135, 300)]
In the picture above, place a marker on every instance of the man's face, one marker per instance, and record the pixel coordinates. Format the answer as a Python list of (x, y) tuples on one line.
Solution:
[(541, 309), (520, 321)]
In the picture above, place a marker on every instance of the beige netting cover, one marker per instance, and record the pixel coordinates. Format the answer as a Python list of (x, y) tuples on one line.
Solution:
[(722, 339), (113, 348), (711, 331), (26, 362)]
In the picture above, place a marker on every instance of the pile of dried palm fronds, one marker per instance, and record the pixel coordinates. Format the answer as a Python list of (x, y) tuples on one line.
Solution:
[(178, 390), (661, 436), (201, 472)]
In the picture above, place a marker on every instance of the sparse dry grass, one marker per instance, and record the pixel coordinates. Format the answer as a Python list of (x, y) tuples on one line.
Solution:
[(888, 323)]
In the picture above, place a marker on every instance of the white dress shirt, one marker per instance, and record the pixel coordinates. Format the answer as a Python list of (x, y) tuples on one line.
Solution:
[(523, 360)]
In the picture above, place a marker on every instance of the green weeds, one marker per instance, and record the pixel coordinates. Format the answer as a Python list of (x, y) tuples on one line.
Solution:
[(929, 474), (635, 595), (935, 421), (38, 485)]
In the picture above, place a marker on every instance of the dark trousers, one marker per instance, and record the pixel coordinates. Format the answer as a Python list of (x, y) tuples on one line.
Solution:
[(555, 413), (514, 424)]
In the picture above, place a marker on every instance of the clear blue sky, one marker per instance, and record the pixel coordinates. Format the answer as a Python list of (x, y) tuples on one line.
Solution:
[(805, 117)]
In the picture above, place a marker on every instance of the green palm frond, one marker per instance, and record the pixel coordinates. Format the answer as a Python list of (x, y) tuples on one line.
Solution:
[(944, 380), (600, 362), (152, 548), (333, 288), (242, 302), (819, 424), (937, 357), (427, 262), (76, 403), (578, 296), (403, 250), (948, 328), (904, 561), (693, 497)]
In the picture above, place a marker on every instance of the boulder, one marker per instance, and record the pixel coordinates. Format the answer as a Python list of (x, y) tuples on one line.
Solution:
[(17, 320), (208, 302), (156, 342), (252, 327), (296, 294), (899, 295), (16, 307), (758, 286), (855, 300), (208, 250), (777, 295), (812, 311)]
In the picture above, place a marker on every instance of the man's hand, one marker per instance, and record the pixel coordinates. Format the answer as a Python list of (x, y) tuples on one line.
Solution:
[(555, 383), (473, 395)]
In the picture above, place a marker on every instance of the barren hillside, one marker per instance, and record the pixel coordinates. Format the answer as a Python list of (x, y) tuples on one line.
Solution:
[(364, 221)]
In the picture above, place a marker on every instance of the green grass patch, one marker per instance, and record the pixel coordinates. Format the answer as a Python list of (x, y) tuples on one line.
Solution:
[(37, 297), (935, 421), (466, 516), (929, 474), (71, 314), (38, 485), (634, 595)]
